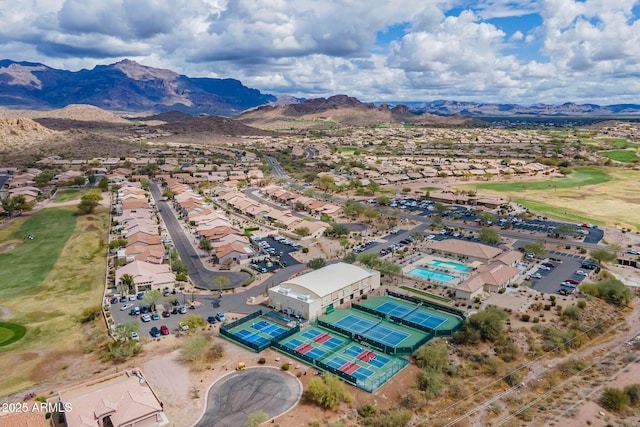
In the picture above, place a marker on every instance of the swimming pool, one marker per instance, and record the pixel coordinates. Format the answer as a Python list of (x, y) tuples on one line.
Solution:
[(431, 275), (449, 265)]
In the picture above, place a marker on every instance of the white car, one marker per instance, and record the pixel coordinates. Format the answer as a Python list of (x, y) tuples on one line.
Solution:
[(582, 273), (132, 297), (126, 307), (134, 336), (145, 318), (633, 252), (431, 236), (544, 267), (536, 276)]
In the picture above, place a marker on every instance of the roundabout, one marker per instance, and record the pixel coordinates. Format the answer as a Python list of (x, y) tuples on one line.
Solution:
[(10, 333), (236, 395)]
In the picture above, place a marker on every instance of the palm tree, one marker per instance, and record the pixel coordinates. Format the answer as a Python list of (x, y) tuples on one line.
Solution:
[(126, 283)]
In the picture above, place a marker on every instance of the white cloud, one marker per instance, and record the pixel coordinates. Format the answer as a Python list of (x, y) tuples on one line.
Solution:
[(589, 49)]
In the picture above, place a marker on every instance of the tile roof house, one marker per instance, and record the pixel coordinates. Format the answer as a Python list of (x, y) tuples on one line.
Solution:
[(147, 276), (472, 250), (233, 252), (488, 278), (120, 400)]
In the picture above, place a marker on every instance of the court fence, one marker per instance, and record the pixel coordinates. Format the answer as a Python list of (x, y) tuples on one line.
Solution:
[(432, 304), (369, 310), (225, 332), (372, 383), (411, 324)]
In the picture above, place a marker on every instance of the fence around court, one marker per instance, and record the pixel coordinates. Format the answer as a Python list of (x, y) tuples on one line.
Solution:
[(432, 304), (225, 331)]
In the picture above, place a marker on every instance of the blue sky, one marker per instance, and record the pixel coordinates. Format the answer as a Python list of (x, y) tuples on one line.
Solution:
[(512, 51)]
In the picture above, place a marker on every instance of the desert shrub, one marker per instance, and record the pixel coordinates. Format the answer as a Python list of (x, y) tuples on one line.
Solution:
[(434, 356), (366, 410), (327, 391), (611, 290), (90, 314), (614, 399), (483, 326), (525, 317), (633, 391), (572, 312), (286, 366), (398, 417), (582, 305), (430, 381), (262, 361)]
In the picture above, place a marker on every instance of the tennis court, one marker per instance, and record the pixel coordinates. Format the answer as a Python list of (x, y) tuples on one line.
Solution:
[(258, 331), (411, 313), (348, 367), (419, 314), (362, 326), (313, 342), (372, 329)]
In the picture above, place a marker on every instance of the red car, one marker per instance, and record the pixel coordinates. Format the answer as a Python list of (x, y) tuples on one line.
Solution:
[(166, 313), (548, 264), (164, 330), (572, 281)]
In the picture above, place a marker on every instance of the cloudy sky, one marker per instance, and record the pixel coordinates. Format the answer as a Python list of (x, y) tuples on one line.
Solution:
[(520, 51)]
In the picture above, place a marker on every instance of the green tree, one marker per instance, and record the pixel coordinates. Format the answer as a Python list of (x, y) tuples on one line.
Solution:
[(79, 181), (633, 391), (369, 260), (254, 419), (337, 230), (433, 355), (614, 399), (43, 179), (431, 381), (383, 200), (389, 268), (153, 297), (489, 236), (195, 349), (126, 284), (327, 391), (325, 182), (483, 326), (350, 258), (302, 231), (205, 245), (536, 248), (611, 290), (193, 321), (486, 216), (123, 330), (603, 256), (370, 214), (89, 202), (440, 209), (14, 204), (316, 263), (220, 282)]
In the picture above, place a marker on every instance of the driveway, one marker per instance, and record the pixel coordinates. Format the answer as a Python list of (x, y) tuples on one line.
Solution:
[(201, 276), (233, 397)]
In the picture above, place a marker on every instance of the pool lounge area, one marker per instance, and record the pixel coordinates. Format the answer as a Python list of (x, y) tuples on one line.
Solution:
[(449, 265), (436, 276)]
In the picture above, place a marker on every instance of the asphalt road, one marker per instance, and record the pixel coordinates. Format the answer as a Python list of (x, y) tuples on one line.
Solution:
[(198, 272), (276, 169), (232, 398)]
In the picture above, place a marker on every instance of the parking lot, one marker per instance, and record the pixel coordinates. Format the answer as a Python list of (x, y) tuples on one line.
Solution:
[(551, 279), (203, 306), (275, 253)]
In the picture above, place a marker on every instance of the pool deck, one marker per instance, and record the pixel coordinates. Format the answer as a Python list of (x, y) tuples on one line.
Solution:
[(424, 262)]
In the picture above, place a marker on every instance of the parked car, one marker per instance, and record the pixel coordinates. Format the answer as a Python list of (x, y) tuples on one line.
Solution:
[(536, 276), (134, 336), (183, 309), (548, 264), (431, 236), (568, 284), (145, 318), (221, 317), (589, 265), (164, 330), (135, 311), (211, 319), (126, 307), (544, 267), (633, 252), (132, 298), (140, 295), (123, 298), (166, 313), (573, 281), (155, 316), (394, 231), (155, 332), (114, 300), (582, 273), (144, 309)]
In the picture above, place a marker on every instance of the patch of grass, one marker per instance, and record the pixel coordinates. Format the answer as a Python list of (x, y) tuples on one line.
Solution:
[(429, 188), (426, 294), (50, 309), (29, 263), (10, 333), (557, 212), (617, 142), (579, 178), (624, 156), (67, 195)]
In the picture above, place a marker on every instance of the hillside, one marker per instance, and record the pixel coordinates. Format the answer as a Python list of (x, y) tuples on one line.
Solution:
[(340, 110), (123, 86)]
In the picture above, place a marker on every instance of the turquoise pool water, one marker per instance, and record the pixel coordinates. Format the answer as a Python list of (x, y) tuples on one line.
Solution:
[(431, 275), (449, 265)]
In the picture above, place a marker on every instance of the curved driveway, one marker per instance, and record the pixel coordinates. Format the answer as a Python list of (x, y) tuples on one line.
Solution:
[(233, 397), (200, 275)]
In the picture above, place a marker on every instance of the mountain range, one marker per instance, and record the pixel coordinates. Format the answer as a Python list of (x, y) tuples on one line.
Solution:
[(127, 86)]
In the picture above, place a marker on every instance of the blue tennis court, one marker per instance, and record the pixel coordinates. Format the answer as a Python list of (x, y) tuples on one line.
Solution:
[(267, 328), (412, 314), (250, 336), (370, 329)]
